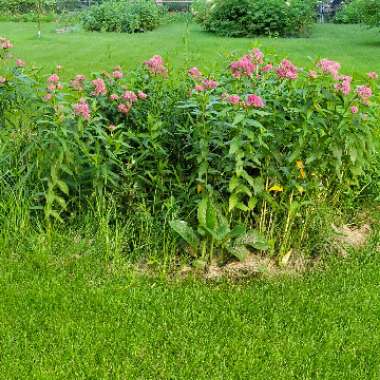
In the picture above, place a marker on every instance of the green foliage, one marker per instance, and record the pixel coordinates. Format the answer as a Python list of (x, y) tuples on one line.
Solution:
[(351, 12), (252, 174), (360, 11), (122, 16), (371, 13), (247, 18)]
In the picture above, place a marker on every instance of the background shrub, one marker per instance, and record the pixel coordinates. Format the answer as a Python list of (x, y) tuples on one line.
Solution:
[(122, 16), (239, 18), (360, 11), (351, 12), (371, 13)]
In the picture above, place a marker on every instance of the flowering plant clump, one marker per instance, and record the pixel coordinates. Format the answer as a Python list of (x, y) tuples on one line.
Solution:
[(262, 144)]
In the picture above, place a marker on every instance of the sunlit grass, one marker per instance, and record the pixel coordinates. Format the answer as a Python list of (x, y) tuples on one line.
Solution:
[(356, 47)]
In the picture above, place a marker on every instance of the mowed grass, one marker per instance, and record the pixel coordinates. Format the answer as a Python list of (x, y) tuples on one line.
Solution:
[(67, 314), (356, 47), (70, 311)]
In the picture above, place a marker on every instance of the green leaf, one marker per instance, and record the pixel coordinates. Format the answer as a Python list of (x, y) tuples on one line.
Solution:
[(235, 145), (202, 211), (238, 251), (254, 239), (237, 231), (63, 187), (252, 203), (238, 119), (212, 216), (186, 232)]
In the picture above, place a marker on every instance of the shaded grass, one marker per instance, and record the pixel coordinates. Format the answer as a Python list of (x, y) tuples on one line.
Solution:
[(358, 48), (69, 313)]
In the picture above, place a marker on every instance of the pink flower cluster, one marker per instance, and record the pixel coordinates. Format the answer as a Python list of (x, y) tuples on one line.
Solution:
[(287, 70), (233, 99), (124, 108), (243, 67), (53, 78), (52, 85), (248, 64), (364, 93), (207, 84), (210, 84), (257, 56), (5, 44), (195, 73), (130, 97), (329, 67), (255, 101), (78, 82), (313, 74), (100, 87), (266, 68), (20, 63), (82, 109), (156, 65), (373, 75), (117, 74), (344, 84), (354, 109)]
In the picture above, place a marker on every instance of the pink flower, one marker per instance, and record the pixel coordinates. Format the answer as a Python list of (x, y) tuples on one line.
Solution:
[(82, 109), (5, 44), (130, 96), (117, 74), (257, 55), (114, 97), (287, 70), (112, 127), (313, 74), (364, 93), (267, 68), (100, 87), (354, 109), (142, 95), (199, 88), (123, 108), (2, 80), (59, 86), (255, 101), (156, 65), (373, 75), (54, 78), (242, 67), (344, 84), (328, 66), (52, 87), (48, 97), (233, 99), (20, 63), (210, 84), (77, 82), (80, 77), (195, 73)]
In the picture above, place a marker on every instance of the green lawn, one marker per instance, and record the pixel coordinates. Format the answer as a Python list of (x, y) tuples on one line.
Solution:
[(67, 314), (357, 48), (68, 311)]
